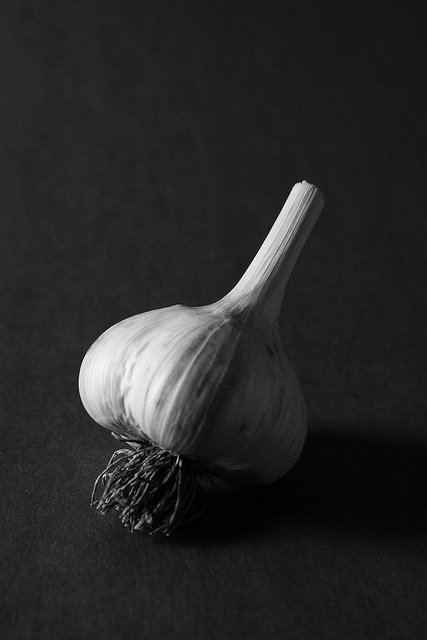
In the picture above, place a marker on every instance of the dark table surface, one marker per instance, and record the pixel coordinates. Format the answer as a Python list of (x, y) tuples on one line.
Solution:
[(146, 149)]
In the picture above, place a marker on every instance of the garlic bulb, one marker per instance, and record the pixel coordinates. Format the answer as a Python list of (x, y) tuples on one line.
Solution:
[(198, 390)]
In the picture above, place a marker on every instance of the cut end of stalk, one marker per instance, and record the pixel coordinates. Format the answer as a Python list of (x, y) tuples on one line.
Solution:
[(151, 488)]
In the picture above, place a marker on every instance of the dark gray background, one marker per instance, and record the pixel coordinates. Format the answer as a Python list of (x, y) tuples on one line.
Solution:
[(145, 150)]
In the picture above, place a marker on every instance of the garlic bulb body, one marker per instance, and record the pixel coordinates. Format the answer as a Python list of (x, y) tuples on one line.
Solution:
[(199, 382), (212, 383)]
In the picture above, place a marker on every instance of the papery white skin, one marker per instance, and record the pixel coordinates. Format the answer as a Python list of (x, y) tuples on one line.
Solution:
[(212, 382), (199, 385)]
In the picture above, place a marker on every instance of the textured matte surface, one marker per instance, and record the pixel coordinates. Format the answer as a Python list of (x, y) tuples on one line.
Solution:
[(146, 148)]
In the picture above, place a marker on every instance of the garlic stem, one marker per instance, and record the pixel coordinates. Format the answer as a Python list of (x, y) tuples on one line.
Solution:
[(263, 284)]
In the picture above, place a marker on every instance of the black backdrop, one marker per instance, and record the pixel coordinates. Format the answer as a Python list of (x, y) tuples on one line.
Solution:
[(146, 148)]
